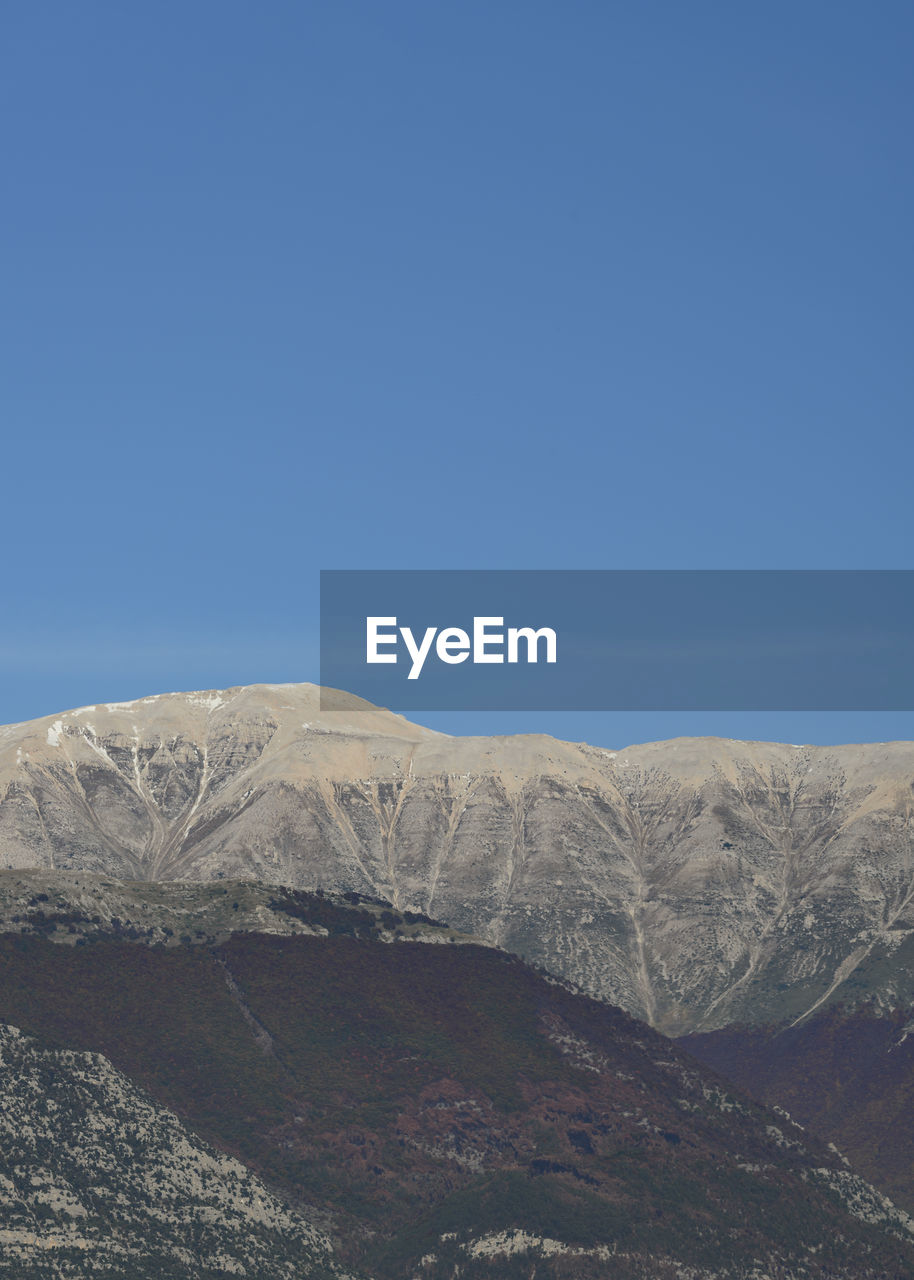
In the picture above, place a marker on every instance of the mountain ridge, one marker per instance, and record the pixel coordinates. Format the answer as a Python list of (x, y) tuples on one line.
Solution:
[(441, 1111), (696, 882)]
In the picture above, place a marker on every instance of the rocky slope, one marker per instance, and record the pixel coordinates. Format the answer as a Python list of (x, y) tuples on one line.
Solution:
[(75, 907), (444, 1109), (697, 883), (95, 1179), (847, 1075)]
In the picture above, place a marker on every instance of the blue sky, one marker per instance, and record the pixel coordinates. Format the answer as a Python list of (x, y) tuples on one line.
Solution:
[(418, 285)]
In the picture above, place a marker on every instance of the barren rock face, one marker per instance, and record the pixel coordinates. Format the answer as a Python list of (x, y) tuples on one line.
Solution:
[(697, 882)]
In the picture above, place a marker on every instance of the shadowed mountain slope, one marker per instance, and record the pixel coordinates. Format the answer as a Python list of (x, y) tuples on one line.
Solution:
[(847, 1075), (448, 1110)]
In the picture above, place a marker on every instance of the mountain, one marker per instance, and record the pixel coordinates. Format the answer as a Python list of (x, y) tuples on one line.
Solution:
[(96, 1179), (696, 883), (433, 1110), (754, 898), (847, 1074)]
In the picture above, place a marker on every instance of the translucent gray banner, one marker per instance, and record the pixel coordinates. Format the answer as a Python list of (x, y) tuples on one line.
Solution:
[(625, 640)]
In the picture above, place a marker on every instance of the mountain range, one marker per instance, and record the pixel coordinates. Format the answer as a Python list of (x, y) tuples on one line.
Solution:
[(753, 900), (696, 883), (341, 1096)]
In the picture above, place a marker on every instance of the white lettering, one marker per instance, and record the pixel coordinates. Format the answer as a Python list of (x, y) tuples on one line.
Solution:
[(532, 638), (375, 637), (453, 645), (418, 653), (481, 638)]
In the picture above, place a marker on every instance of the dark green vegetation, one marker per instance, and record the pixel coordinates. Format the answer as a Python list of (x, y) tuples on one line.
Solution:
[(81, 908), (432, 1098), (847, 1074)]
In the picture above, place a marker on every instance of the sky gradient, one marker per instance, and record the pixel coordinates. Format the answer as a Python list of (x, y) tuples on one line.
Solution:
[(348, 285)]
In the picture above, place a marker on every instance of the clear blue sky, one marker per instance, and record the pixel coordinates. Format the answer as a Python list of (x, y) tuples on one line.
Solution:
[(348, 284)]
